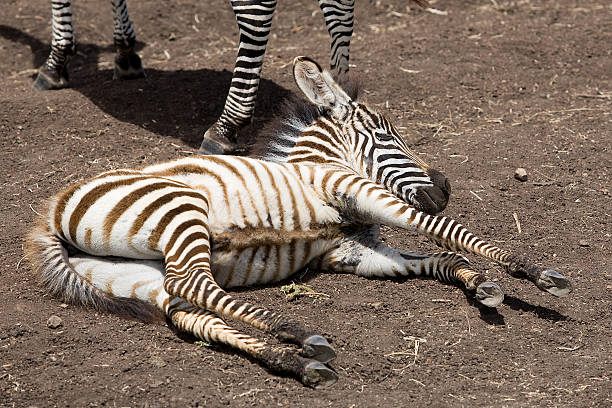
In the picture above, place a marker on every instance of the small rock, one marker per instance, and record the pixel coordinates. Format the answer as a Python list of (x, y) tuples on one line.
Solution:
[(63, 305), (583, 243), (520, 174), (54, 322), (376, 305)]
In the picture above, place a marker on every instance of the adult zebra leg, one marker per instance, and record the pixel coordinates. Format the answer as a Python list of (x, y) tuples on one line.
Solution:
[(53, 74), (364, 255), (127, 62), (339, 22), (184, 238), (209, 327), (254, 18)]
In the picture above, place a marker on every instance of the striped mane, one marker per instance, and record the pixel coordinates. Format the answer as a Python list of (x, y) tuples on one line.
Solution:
[(278, 137)]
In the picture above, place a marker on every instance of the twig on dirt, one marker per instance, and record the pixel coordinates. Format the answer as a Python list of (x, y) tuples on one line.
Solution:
[(570, 348), (34, 211), (19, 263), (436, 11), (24, 73), (460, 155), (248, 393), (438, 131), (410, 71), (468, 322), (476, 195), (599, 95), (416, 381), (517, 222)]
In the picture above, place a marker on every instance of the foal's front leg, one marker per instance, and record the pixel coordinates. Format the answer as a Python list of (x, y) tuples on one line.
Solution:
[(365, 255), (376, 205)]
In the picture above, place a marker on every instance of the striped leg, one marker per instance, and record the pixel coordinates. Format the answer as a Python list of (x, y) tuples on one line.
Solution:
[(254, 18), (339, 22), (127, 62), (183, 235), (364, 255), (209, 327), (449, 234), (53, 73)]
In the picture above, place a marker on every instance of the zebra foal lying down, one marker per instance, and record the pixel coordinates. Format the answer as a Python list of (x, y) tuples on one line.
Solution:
[(254, 19), (170, 238)]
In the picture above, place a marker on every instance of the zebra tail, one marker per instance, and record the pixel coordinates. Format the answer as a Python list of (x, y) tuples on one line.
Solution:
[(49, 259)]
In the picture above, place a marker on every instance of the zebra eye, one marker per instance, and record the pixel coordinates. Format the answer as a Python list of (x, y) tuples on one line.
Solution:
[(384, 137)]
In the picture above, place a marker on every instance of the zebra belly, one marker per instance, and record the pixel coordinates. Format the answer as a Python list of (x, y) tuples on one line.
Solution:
[(263, 264)]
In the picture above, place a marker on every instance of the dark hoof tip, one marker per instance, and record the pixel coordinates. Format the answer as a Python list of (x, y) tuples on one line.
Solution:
[(214, 143), (489, 294), (554, 283), (317, 348), (128, 67), (45, 83), (318, 375)]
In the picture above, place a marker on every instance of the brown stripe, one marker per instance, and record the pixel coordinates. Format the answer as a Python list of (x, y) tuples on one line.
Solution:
[(165, 220), (196, 169), (265, 259), (305, 200), (137, 285), (182, 228), (263, 217), (339, 181), (198, 235), (248, 270), (296, 213), (92, 197), (279, 206), (126, 202), (88, 232), (61, 206)]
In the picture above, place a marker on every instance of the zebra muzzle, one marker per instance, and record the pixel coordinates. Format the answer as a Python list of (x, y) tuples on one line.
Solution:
[(433, 198)]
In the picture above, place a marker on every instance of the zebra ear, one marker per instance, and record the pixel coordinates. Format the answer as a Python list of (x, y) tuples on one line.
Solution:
[(318, 85)]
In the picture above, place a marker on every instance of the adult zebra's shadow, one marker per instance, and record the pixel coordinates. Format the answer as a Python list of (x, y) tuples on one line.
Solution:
[(175, 103)]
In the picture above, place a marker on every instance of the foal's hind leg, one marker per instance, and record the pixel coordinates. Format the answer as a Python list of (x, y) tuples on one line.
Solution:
[(364, 255), (127, 62), (182, 234), (209, 327)]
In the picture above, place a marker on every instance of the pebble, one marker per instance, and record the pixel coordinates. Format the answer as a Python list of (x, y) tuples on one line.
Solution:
[(583, 243), (54, 322), (520, 174)]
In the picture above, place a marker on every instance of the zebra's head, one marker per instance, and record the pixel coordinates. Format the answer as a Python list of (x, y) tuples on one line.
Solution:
[(351, 134)]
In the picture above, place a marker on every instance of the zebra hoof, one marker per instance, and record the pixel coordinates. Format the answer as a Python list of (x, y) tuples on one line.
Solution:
[(317, 348), (128, 67), (317, 375), (215, 142), (47, 80), (489, 294), (554, 283)]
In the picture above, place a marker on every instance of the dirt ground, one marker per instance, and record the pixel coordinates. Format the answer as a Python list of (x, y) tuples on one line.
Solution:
[(489, 87)]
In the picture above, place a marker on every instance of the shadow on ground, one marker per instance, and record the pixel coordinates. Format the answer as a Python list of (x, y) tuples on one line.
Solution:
[(180, 104)]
